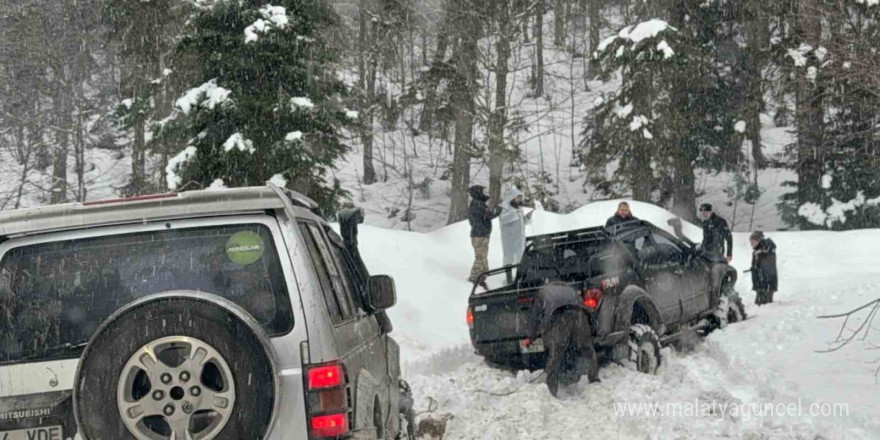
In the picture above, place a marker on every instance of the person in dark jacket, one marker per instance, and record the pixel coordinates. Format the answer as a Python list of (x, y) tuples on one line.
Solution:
[(560, 318), (716, 233), (623, 214), (480, 217), (764, 275)]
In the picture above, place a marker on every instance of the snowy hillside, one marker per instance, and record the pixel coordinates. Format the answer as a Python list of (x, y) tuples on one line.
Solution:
[(770, 358)]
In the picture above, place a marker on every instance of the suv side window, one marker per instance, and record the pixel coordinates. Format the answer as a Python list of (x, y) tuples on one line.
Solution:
[(339, 285), (670, 251), (322, 271), (354, 287)]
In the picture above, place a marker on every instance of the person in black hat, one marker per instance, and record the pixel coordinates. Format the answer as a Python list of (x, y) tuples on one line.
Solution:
[(480, 218), (764, 275), (716, 233)]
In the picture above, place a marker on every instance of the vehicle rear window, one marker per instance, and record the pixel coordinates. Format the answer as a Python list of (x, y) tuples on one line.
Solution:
[(58, 293)]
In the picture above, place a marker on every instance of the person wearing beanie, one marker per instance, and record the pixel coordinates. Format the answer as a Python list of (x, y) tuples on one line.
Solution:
[(764, 275), (480, 218), (716, 233)]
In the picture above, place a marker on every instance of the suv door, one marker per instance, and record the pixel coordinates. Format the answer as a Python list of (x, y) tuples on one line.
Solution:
[(676, 258), (359, 341), (662, 284)]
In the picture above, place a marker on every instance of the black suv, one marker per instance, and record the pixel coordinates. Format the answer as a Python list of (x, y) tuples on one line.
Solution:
[(643, 288)]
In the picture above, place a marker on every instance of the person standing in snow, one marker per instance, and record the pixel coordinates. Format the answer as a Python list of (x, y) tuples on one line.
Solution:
[(716, 233), (623, 214), (560, 318), (480, 217), (513, 228), (764, 275)]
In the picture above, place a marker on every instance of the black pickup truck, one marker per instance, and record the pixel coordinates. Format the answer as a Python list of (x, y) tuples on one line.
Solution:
[(643, 287)]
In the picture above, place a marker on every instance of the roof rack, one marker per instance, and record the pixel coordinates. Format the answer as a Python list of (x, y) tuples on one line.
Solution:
[(566, 237)]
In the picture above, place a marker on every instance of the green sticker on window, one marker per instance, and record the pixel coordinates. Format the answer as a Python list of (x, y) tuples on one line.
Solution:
[(244, 248)]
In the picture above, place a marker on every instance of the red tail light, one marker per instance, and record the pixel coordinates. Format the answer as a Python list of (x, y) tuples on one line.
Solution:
[(525, 301), (329, 376), (470, 317), (592, 298), (328, 393), (333, 425)]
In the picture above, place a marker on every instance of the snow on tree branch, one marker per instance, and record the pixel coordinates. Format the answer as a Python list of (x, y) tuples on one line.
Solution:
[(208, 95), (274, 17), (171, 170), (837, 211)]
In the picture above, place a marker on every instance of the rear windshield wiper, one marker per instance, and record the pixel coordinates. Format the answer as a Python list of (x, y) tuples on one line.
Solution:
[(49, 352)]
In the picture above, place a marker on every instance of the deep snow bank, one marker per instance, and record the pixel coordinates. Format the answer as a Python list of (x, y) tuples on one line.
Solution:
[(769, 358)]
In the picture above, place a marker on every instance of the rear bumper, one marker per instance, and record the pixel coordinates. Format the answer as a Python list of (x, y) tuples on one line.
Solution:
[(509, 354), (503, 349)]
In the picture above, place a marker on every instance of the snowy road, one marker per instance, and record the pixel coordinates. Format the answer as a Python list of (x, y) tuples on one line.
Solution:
[(770, 359)]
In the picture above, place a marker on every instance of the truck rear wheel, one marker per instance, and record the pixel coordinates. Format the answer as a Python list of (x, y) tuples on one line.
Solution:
[(644, 349), (177, 366)]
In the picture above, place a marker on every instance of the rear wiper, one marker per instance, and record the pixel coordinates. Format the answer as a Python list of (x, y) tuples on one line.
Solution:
[(67, 347)]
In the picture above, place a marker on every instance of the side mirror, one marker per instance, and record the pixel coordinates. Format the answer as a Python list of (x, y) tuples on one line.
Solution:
[(382, 293)]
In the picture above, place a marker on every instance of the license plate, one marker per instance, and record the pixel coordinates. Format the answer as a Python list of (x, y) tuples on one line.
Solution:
[(41, 433), (537, 346)]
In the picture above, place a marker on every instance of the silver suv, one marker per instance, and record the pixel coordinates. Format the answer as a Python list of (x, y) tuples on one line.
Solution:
[(233, 314)]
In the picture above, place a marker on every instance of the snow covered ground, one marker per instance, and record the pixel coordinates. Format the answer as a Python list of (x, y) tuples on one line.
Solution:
[(769, 359)]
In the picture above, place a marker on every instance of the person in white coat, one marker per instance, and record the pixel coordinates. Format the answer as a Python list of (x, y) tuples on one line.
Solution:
[(513, 227)]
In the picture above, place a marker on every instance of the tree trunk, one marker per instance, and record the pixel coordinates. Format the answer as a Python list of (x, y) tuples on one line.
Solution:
[(367, 78), (79, 149), (539, 47), (755, 61), (684, 195), (498, 119), (559, 28), (642, 174), (810, 118), (59, 163), (463, 92), (426, 120), (138, 155), (594, 11), (578, 17)]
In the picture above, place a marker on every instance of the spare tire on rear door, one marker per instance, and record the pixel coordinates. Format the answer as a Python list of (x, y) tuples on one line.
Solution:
[(177, 366)]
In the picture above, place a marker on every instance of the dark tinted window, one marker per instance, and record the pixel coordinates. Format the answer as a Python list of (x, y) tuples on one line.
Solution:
[(669, 249), (336, 281), (350, 277), (332, 283), (321, 271), (57, 293)]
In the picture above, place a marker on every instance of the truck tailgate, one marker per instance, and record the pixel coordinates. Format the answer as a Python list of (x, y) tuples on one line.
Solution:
[(501, 316)]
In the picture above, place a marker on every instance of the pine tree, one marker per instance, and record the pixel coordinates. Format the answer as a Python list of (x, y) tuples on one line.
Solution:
[(838, 184), (144, 35), (268, 106), (665, 121)]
